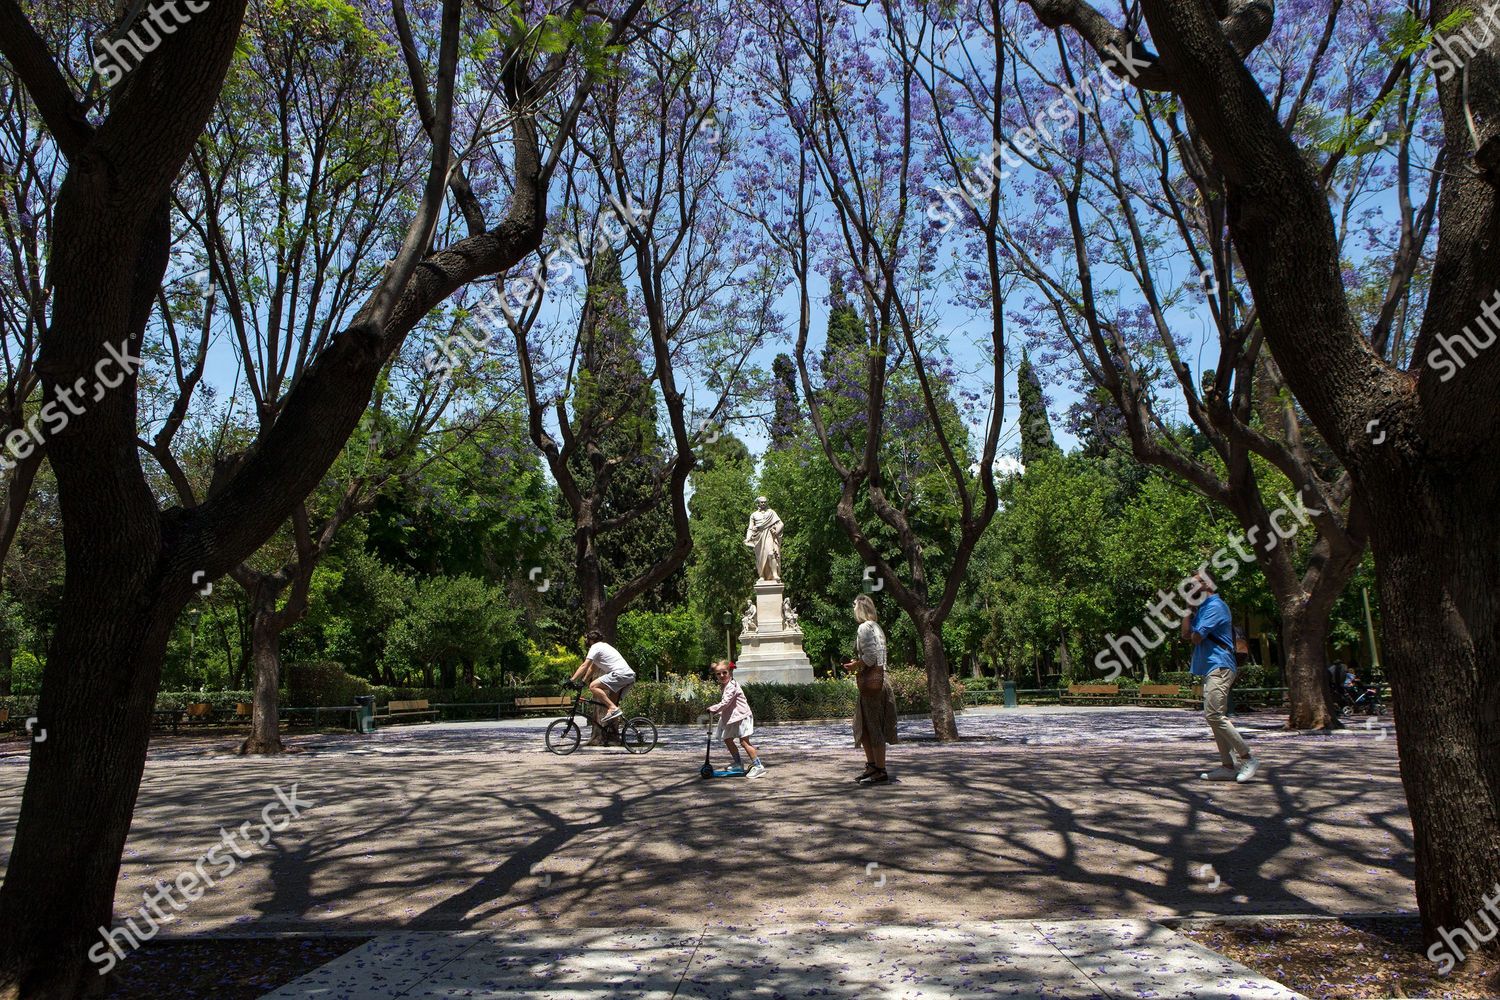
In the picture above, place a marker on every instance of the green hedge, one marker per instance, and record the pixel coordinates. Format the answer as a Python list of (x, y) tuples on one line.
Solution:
[(682, 700), (317, 685)]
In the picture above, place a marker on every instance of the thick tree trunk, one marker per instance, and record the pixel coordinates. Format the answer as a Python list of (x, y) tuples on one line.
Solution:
[(1304, 640), (265, 645), (939, 691), (1439, 559), (98, 691)]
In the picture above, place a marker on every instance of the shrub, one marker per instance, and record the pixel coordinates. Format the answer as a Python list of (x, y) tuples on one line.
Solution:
[(682, 700), (317, 685), (670, 641), (550, 667), (26, 674)]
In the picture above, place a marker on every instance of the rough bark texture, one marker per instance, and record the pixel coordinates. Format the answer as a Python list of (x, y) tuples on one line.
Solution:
[(939, 689), (130, 567), (1305, 636), (1422, 445), (265, 658), (1429, 476)]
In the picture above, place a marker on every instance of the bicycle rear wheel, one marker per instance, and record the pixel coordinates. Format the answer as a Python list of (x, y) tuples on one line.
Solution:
[(563, 736), (639, 735)]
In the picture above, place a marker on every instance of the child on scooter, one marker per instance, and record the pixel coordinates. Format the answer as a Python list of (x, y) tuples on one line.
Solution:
[(736, 722)]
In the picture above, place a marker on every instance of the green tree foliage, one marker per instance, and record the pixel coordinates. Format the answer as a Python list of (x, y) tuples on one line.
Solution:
[(616, 407), (456, 629), (1050, 581), (721, 572), (662, 642), (1036, 428), (786, 416)]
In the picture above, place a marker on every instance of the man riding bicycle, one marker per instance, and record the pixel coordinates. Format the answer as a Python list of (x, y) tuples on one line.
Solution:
[(611, 675)]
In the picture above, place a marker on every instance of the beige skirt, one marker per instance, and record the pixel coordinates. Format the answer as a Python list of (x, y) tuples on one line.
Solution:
[(875, 718)]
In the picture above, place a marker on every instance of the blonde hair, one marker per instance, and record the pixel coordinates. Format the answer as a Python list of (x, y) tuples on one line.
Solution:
[(722, 663), (864, 609)]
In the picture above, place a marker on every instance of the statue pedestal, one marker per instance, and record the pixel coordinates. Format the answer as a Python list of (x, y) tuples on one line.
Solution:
[(773, 653)]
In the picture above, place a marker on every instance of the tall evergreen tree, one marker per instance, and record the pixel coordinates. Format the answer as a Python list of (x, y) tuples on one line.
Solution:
[(786, 417), (623, 459), (1036, 429)]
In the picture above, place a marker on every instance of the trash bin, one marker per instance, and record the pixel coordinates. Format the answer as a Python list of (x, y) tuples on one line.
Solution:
[(365, 716), (1010, 694)]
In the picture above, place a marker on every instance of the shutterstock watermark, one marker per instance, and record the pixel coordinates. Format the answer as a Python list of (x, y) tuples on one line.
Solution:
[(1117, 72), (21, 442), (1226, 563), (230, 850), (114, 58), (1452, 60), (495, 310), (1448, 954), (1476, 337)]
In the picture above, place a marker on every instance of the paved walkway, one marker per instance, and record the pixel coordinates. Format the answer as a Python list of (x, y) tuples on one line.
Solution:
[(1078, 960), (493, 858)]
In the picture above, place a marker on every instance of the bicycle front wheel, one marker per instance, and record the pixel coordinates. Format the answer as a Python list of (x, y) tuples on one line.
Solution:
[(563, 736), (639, 735)]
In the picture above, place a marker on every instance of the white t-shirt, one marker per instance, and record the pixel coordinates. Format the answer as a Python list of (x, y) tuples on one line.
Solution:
[(608, 659)]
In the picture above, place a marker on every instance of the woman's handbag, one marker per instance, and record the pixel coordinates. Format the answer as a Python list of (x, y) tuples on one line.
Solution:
[(871, 680)]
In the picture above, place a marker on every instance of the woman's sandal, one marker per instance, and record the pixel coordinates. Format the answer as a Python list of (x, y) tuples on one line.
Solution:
[(879, 777), (869, 772)]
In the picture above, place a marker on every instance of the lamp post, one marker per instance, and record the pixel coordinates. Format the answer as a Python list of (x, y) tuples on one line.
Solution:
[(1370, 632), (197, 615), (728, 636)]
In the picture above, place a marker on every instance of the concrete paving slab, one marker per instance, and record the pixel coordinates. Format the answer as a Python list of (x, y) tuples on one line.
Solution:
[(885, 963), (1071, 960), (1138, 958), (577, 966), (581, 965), (383, 969)]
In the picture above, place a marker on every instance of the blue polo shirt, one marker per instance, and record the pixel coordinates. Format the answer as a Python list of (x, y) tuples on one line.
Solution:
[(1213, 621)]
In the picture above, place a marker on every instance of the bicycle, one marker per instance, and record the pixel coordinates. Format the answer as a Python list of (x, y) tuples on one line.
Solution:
[(637, 734)]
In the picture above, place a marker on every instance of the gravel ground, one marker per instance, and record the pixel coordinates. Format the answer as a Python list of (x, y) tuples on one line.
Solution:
[(1348, 959)]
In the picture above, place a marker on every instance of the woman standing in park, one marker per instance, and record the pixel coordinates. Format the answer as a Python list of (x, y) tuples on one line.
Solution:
[(875, 711)]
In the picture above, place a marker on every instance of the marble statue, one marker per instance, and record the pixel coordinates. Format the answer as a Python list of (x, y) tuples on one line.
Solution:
[(789, 616), (763, 537), (748, 619)]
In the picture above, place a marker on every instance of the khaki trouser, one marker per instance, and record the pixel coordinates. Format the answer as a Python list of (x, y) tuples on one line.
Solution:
[(1215, 703)]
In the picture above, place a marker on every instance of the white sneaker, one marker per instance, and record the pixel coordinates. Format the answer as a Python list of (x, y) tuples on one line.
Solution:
[(612, 716), (757, 770), (1219, 774), (1247, 770)]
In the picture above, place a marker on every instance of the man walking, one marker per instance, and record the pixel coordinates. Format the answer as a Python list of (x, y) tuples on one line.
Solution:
[(1210, 628)]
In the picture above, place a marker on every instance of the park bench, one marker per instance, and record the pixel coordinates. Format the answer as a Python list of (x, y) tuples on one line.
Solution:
[(547, 703), (201, 711), (1090, 694), (416, 708), (1163, 694)]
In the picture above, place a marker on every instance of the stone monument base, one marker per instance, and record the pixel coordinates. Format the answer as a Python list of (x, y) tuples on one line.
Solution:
[(773, 653)]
